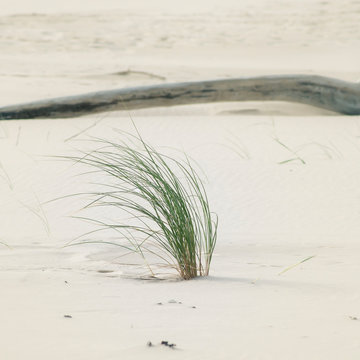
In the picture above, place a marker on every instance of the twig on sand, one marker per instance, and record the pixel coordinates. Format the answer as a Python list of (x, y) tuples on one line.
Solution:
[(129, 72), (297, 264), (39, 212), (4, 175)]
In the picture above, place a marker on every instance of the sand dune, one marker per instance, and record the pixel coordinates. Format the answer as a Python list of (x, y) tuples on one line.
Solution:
[(283, 178)]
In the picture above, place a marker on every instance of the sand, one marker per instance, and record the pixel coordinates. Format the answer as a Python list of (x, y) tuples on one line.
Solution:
[(283, 179)]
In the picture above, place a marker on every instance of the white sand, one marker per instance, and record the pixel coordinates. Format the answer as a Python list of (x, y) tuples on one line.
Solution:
[(271, 215)]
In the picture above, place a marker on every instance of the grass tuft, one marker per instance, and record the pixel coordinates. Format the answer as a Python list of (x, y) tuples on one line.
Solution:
[(164, 198)]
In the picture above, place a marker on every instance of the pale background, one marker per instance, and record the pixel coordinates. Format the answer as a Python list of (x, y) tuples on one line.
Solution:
[(271, 215)]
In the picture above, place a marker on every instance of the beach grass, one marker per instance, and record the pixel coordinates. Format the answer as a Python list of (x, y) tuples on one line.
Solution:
[(164, 199)]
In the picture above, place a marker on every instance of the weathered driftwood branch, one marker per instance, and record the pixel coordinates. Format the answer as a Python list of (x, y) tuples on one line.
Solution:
[(332, 94)]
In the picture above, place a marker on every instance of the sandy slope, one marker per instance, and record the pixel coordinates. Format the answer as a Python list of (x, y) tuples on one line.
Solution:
[(273, 213)]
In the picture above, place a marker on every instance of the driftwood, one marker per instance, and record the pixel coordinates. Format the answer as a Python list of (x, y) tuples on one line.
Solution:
[(331, 94)]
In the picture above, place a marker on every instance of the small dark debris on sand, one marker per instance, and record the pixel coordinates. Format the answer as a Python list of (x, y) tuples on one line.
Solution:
[(166, 343), (353, 318), (68, 316)]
